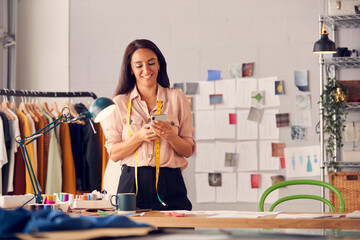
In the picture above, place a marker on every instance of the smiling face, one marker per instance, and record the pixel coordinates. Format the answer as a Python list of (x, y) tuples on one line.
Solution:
[(145, 67)]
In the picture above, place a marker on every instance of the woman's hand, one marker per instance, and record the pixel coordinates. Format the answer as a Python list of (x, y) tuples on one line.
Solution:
[(146, 133), (162, 129)]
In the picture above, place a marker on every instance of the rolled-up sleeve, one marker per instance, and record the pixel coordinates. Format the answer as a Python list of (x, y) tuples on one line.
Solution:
[(113, 129)]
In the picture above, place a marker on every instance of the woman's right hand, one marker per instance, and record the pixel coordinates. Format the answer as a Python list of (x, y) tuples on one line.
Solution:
[(146, 134)]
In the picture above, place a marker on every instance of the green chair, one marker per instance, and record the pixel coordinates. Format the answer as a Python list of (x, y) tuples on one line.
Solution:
[(302, 182)]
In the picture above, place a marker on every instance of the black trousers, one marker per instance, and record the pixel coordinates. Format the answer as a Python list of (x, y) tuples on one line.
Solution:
[(171, 188)]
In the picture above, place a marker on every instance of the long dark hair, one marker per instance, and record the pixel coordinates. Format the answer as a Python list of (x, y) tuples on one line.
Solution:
[(127, 80)]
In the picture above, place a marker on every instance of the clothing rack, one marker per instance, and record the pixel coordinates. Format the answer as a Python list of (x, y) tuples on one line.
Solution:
[(33, 93)]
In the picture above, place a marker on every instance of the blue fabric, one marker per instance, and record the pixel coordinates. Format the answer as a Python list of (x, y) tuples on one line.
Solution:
[(23, 221)]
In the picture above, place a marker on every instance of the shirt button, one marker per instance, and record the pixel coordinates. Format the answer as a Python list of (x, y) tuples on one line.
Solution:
[(149, 119), (172, 123), (150, 155), (131, 121)]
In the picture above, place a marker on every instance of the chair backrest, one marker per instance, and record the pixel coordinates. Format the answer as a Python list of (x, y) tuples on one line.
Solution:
[(302, 182)]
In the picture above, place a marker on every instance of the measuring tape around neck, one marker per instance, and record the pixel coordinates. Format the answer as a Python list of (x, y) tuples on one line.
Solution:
[(157, 151)]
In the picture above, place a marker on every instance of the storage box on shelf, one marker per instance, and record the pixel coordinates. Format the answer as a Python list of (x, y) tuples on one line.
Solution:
[(348, 184)]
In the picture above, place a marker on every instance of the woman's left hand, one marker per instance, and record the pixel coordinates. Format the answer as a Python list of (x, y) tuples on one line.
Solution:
[(162, 129)]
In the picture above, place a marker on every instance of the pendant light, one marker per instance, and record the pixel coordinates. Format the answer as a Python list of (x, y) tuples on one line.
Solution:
[(324, 45)]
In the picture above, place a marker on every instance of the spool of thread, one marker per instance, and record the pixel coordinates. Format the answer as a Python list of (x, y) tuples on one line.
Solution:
[(61, 197), (84, 197), (49, 202), (71, 198), (65, 197), (89, 196)]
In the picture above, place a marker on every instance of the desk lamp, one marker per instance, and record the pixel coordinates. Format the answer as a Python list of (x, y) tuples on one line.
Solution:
[(100, 109)]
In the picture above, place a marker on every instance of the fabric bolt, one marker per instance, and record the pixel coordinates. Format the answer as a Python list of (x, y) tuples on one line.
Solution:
[(54, 171), (25, 131), (177, 108), (68, 167), (40, 149), (7, 142), (34, 143), (46, 154), (91, 152), (14, 132)]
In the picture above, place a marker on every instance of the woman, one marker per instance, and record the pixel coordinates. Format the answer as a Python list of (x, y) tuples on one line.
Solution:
[(152, 152)]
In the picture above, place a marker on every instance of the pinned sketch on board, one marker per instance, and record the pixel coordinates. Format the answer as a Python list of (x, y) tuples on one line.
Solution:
[(205, 161), (244, 87), (205, 125), (192, 88), (235, 70), (214, 75), (201, 100), (266, 160), (302, 118), (301, 80), (303, 102), (224, 130), (257, 98), (227, 88), (247, 155), (267, 126), (227, 191), (268, 86), (282, 120), (302, 161), (247, 69), (245, 129), (298, 132), (204, 192), (255, 114), (279, 88)]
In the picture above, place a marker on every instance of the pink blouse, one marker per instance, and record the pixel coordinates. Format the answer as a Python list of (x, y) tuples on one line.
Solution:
[(177, 108)]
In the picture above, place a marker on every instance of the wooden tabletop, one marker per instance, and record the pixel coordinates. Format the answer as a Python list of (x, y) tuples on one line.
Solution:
[(158, 219)]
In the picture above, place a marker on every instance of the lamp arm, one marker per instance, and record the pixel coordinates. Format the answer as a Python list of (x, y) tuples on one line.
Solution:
[(27, 140)]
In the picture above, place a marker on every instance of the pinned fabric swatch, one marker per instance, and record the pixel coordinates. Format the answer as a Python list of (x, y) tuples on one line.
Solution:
[(282, 120), (179, 86), (216, 99), (235, 70), (282, 163), (232, 118), (214, 75), (277, 149), (214, 179), (255, 180)]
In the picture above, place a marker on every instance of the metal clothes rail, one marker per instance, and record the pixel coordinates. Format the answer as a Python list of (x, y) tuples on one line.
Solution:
[(33, 93)]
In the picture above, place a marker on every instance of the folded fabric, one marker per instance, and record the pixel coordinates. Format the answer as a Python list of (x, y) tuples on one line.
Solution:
[(24, 221)]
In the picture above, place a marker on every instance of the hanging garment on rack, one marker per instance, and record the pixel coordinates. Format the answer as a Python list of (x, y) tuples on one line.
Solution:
[(32, 129), (24, 132), (91, 152), (54, 171), (68, 166), (7, 143), (40, 149), (3, 155), (76, 146), (14, 131), (103, 152)]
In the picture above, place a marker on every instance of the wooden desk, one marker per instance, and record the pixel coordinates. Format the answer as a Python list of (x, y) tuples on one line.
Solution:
[(159, 219)]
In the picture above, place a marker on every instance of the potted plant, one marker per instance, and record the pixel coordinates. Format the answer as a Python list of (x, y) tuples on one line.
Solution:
[(333, 100)]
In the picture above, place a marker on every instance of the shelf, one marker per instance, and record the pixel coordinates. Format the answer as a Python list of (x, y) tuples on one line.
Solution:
[(345, 164), (354, 106), (343, 21), (344, 62)]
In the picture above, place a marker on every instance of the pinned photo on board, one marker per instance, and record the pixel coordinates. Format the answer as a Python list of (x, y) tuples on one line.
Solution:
[(301, 80), (247, 69), (277, 179), (179, 86), (279, 88), (255, 180), (216, 99), (231, 159), (192, 88), (215, 179), (257, 98), (282, 120)]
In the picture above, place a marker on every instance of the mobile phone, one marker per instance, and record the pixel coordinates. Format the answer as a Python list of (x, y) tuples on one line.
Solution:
[(159, 117)]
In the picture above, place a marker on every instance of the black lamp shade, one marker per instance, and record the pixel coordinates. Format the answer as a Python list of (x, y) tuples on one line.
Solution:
[(324, 45), (100, 109)]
